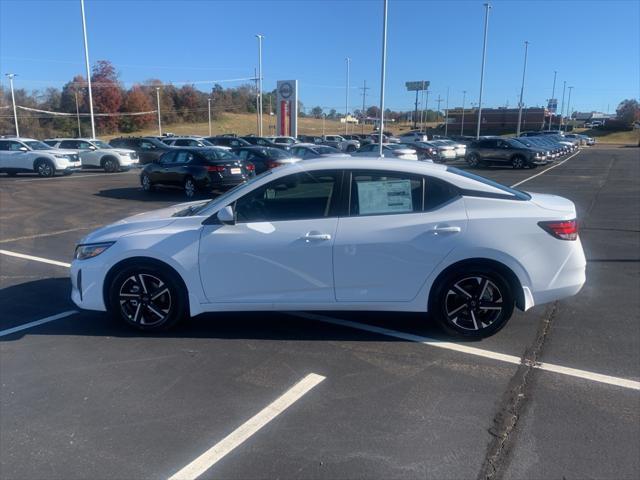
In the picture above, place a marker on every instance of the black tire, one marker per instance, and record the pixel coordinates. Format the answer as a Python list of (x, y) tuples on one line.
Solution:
[(465, 305), (132, 300), (190, 188), (351, 148), (110, 165), (518, 161), (473, 160), (146, 183), (45, 168)]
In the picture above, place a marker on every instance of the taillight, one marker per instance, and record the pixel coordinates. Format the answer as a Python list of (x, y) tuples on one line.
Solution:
[(250, 167), (561, 229), (272, 164), (215, 168)]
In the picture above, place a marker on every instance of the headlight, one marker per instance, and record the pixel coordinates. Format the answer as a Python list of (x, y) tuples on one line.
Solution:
[(91, 250), (61, 155)]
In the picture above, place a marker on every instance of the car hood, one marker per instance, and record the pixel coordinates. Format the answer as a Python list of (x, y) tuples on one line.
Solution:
[(553, 202), (138, 223), (63, 151), (124, 151)]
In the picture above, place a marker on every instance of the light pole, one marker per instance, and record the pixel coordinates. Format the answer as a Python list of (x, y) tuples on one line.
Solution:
[(209, 109), (553, 94), (75, 94), (383, 73), (568, 104), (564, 87), (346, 106), (86, 61), (158, 102), (524, 71), (422, 112), (324, 116), (484, 54), (446, 114), (464, 97), (13, 100), (260, 37)]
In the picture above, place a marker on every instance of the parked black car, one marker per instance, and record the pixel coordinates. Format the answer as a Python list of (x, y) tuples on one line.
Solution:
[(505, 151), (264, 142), (310, 139), (228, 141), (148, 148), (197, 169), (265, 158)]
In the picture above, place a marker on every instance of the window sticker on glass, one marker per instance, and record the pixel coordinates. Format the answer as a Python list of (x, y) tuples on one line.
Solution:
[(384, 196)]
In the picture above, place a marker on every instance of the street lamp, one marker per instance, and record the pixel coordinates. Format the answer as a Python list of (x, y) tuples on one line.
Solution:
[(346, 106), (524, 71), (209, 108), (464, 97), (13, 100), (158, 102), (484, 54), (553, 95), (564, 87), (75, 94), (383, 73), (86, 60), (260, 37), (568, 110)]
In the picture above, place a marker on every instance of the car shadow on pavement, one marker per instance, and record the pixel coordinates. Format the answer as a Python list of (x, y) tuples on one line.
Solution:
[(165, 194), (53, 297)]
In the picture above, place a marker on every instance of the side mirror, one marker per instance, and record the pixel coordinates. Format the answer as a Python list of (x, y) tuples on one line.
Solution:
[(91, 147), (23, 149), (227, 216)]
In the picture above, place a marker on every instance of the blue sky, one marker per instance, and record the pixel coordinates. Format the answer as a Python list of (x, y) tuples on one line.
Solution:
[(594, 46)]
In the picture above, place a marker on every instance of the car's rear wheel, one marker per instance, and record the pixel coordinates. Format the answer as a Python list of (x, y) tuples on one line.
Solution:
[(147, 297), (474, 302), (45, 168), (473, 160), (189, 187), (518, 162), (145, 182)]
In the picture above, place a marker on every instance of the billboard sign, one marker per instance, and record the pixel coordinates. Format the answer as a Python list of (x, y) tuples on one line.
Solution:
[(417, 86), (552, 106)]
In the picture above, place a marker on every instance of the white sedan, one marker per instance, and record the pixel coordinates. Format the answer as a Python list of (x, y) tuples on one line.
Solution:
[(339, 234)]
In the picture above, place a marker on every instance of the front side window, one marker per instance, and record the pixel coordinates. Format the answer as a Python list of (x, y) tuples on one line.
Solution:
[(183, 157), (383, 193), (145, 145), (35, 145), (167, 158), (69, 144), (300, 196)]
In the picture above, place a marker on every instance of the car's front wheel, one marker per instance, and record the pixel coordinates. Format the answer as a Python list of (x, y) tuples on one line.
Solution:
[(473, 160), (45, 168), (110, 165), (147, 297), (474, 302)]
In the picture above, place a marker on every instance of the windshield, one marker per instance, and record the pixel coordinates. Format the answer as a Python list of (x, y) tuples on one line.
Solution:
[(36, 145), (514, 143), (101, 144), (218, 154), (511, 191), (275, 153)]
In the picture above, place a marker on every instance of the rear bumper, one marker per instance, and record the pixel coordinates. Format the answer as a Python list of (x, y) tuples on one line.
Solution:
[(568, 280)]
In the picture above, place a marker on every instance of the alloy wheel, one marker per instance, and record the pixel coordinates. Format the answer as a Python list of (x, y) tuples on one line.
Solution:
[(473, 303), (189, 188), (146, 183), (517, 162), (45, 169), (145, 300)]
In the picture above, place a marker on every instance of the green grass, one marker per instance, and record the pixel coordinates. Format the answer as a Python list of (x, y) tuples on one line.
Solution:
[(631, 137)]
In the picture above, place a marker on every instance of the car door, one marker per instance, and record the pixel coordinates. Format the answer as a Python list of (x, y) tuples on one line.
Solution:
[(15, 158), (160, 171), (280, 248), (399, 228), (503, 151)]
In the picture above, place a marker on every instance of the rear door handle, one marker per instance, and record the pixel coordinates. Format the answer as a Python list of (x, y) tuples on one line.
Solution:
[(437, 230), (312, 236)]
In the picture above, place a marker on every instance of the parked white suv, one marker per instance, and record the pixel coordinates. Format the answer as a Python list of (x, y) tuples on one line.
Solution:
[(97, 154), (26, 155)]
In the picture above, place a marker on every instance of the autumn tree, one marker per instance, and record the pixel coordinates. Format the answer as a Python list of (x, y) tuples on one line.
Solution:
[(107, 95), (136, 100), (628, 111)]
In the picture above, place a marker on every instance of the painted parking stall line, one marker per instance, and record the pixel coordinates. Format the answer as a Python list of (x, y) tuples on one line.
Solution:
[(545, 170), (209, 458), (432, 342), (35, 259), (42, 321)]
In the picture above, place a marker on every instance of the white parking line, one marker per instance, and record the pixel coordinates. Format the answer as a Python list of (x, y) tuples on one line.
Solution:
[(35, 323), (432, 342), (209, 458), (545, 170), (35, 259), (71, 177), (48, 234)]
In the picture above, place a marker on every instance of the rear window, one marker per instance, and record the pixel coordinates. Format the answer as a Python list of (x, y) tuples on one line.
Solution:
[(520, 195)]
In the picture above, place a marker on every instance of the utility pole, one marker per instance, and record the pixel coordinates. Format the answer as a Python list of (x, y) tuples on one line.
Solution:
[(209, 109), (383, 73), (439, 100), (259, 86), (10, 76), (364, 97), (75, 94), (464, 97), (86, 60), (255, 76), (553, 95), (346, 106), (422, 112), (426, 111), (446, 114), (564, 87), (487, 7), (568, 110), (524, 71), (415, 115), (158, 102)]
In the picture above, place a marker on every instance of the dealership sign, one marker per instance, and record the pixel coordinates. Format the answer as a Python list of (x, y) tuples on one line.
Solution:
[(417, 86), (287, 108)]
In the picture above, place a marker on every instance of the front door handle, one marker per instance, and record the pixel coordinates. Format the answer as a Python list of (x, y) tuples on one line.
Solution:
[(312, 236), (437, 230)]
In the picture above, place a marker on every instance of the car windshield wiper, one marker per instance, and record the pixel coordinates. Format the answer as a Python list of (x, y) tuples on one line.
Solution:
[(191, 210)]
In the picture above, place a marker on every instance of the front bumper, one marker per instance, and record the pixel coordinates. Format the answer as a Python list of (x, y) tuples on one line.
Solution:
[(87, 278)]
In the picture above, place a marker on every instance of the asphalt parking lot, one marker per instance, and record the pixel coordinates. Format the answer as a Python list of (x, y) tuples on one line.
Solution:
[(555, 394)]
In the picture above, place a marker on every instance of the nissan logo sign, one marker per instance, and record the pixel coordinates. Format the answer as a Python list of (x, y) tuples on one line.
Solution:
[(285, 90)]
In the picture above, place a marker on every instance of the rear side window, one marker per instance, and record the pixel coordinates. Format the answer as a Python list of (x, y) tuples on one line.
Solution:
[(69, 144), (438, 192), (145, 145), (384, 193), (509, 192)]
